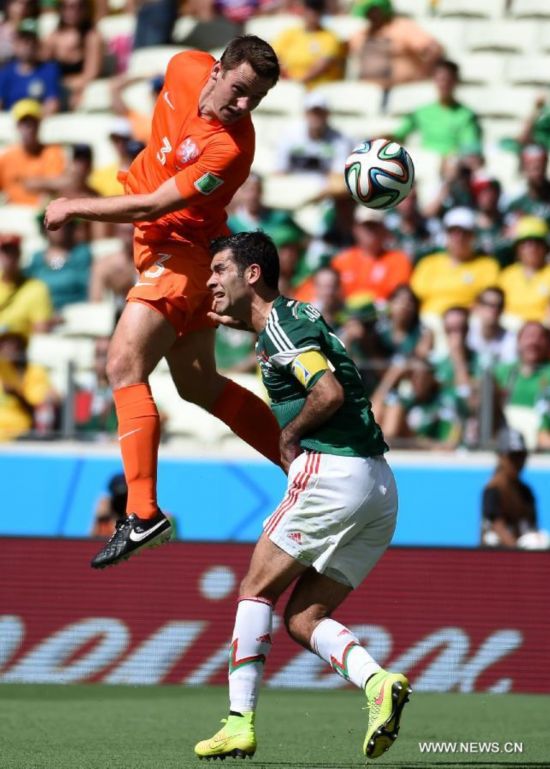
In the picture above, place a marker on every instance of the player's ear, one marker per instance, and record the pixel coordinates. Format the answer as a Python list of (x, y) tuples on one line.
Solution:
[(254, 273), (216, 71)]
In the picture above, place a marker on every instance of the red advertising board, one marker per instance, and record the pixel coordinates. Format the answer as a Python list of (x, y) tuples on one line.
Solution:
[(454, 620)]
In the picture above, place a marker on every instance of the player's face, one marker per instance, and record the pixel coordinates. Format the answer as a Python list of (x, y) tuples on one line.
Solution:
[(237, 92), (229, 289)]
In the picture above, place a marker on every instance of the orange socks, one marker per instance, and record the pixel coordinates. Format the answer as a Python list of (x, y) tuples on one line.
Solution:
[(139, 437), (249, 418)]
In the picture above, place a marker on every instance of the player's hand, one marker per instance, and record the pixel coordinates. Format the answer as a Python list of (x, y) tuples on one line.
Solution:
[(228, 320), (290, 449), (58, 212)]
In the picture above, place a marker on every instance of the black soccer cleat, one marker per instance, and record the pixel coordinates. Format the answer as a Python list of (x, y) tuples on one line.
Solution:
[(133, 534)]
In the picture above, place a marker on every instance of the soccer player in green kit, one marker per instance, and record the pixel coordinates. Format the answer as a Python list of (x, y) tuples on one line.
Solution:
[(339, 511)]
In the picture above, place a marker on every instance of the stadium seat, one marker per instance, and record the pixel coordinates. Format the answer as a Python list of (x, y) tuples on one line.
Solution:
[(51, 350), (495, 129), (286, 99), (101, 247), (47, 23), (19, 220), (409, 96), (270, 27), (352, 98), (183, 27), (8, 132), (414, 8), (495, 101), (80, 128), (502, 35), (344, 26), (449, 32), (526, 421), (530, 9), (147, 62), (117, 25), (483, 68), (139, 97), (544, 36), (360, 128), (96, 97), (87, 319), (531, 70), (503, 166), (290, 191), (471, 8)]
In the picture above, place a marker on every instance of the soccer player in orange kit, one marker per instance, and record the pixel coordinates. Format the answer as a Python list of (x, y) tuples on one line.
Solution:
[(199, 154)]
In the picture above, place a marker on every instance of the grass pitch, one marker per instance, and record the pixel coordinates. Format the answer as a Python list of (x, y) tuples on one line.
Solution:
[(116, 727)]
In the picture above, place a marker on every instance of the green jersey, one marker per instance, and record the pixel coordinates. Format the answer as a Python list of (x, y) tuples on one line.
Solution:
[(292, 330)]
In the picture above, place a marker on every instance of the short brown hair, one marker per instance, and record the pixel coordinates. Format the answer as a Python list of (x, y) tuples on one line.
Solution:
[(259, 54)]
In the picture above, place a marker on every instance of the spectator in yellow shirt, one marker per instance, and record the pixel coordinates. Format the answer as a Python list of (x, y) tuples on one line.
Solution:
[(454, 278), (25, 303), (526, 284), (24, 387), (311, 54), (23, 165)]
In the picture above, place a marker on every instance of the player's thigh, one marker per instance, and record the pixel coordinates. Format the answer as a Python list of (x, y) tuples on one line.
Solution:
[(193, 367), (270, 572), (141, 338), (314, 597)]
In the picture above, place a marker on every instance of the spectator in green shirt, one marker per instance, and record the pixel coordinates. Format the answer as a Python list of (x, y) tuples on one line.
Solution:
[(535, 201), (526, 383), (446, 126)]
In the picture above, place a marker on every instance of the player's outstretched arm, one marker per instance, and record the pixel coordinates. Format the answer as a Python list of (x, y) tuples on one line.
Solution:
[(323, 400), (119, 208)]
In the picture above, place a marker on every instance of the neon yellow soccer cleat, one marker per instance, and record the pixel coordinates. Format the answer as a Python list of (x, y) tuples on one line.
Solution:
[(236, 738), (386, 695)]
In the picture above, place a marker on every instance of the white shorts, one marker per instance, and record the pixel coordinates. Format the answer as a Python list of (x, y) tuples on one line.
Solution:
[(338, 514)]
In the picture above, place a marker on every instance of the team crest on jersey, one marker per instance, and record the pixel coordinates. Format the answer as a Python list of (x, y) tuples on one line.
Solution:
[(187, 151)]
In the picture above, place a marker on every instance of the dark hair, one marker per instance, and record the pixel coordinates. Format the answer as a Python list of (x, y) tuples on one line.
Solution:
[(259, 54), (251, 248), (464, 311), (450, 66)]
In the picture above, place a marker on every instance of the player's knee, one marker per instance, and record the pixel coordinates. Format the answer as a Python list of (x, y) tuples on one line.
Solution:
[(121, 370)]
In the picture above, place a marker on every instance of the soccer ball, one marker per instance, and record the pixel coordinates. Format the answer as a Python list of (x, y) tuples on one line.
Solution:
[(379, 173)]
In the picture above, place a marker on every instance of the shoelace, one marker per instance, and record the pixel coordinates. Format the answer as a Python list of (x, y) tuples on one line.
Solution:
[(119, 525)]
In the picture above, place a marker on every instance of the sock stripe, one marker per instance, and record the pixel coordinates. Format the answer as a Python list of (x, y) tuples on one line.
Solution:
[(341, 667), (256, 598), (235, 664)]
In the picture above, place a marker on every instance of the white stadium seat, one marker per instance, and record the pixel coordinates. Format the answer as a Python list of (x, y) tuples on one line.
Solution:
[(151, 61), (526, 421), (532, 70), (344, 26), (409, 96), (96, 97), (530, 9), (139, 97), (286, 99), (448, 32), (8, 132), (414, 8), (270, 27), (117, 25), (102, 247), (498, 101), (502, 35), (87, 319), (19, 220), (482, 68), (82, 128), (349, 97), (183, 27), (471, 8), (290, 191)]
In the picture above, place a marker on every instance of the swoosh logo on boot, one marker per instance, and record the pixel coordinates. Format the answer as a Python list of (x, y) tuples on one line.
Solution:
[(136, 537)]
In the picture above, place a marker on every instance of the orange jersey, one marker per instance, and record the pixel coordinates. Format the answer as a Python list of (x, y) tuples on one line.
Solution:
[(209, 160)]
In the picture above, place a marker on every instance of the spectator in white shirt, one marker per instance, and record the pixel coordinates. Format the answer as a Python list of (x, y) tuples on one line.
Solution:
[(486, 336)]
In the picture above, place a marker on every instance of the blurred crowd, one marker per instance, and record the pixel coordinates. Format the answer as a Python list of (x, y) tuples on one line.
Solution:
[(444, 301)]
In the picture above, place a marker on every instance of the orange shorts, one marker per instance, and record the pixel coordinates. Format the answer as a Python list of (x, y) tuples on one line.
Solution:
[(172, 280)]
